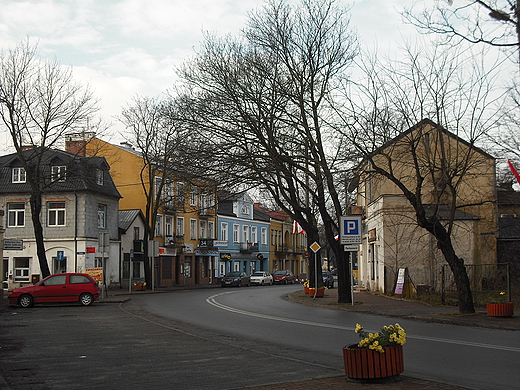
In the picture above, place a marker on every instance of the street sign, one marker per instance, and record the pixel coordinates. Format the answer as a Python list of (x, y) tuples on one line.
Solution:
[(351, 248), (315, 247), (13, 245), (60, 255), (350, 230)]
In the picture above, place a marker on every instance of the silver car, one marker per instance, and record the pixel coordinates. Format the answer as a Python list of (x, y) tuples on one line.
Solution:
[(261, 278)]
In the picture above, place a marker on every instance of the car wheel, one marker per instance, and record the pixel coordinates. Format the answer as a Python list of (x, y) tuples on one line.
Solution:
[(26, 301), (261, 284), (86, 299)]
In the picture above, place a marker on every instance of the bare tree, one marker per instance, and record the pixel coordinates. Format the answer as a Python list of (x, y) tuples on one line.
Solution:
[(39, 103), (431, 167), (266, 99), (494, 23)]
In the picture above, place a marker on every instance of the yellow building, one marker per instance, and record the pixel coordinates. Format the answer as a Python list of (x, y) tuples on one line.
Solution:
[(452, 179), (185, 222)]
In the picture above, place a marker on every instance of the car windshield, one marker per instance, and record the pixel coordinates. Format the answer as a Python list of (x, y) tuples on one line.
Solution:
[(279, 273), (231, 274), (258, 274)]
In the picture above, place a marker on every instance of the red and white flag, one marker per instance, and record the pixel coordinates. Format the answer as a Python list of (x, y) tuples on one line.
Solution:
[(513, 170), (297, 229)]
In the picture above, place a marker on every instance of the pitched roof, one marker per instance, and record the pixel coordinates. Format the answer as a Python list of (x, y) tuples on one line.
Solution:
[(81, 173), (125, 218)]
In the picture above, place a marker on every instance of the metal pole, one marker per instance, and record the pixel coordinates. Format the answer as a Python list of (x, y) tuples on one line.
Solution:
[(351, 276)]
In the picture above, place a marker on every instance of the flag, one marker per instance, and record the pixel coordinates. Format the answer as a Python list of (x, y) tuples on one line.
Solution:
[(513, 170), (297, 229)]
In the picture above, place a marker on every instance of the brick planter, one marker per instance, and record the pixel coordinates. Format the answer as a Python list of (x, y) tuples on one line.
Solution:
[(364, 363)]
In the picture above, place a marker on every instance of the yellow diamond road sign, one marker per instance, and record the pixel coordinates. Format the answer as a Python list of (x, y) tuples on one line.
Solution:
[(315, 247)]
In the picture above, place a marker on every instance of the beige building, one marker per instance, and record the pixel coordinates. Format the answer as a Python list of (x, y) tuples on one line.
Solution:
[(452, 179)]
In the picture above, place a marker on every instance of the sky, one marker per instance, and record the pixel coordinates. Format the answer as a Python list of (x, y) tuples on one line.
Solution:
[(125, 48)]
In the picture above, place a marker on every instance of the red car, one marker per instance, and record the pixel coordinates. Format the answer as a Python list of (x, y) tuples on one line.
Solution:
[(284, 276), (66, 287)]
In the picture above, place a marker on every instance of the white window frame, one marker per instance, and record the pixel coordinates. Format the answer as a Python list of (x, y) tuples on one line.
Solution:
[(211, 229), (158, 225), (254, 234), (224, 231), (180, 226), (245, 234), (18, 175), (264, 235), (193, 196), (54, 213), (245, 209), (22, 274), (236, 234), (15, 216), (168, 225), (102, 215), (179, 195), (58, 173), (193, 229), (100, 177), (168, 192), (157, 187), (203, 226)]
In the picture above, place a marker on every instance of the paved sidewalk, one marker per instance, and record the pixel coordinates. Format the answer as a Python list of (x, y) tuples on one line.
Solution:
[(365, 302)]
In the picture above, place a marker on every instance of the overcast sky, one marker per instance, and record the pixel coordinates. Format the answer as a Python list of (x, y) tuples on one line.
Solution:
[(124, 48)]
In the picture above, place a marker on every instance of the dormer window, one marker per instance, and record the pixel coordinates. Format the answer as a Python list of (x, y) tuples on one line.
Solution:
[(99, 177), (18, 175), (245, 210), (58, 173)]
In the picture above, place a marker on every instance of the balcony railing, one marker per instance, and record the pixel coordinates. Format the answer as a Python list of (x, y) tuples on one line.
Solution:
[(248, 247)]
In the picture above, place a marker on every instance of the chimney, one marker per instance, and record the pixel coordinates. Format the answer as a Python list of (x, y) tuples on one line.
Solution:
[(76, 143)]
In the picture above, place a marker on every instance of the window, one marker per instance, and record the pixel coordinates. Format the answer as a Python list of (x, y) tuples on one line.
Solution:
[(158, 226), (193, 197), (245, 234), (168, 226), (180, 226), (236, 238), (211, 229), (21, 269), (100, 177), (79, 279), (245, 210), (58, 172), (168, 193), (180, 193), (102, 216), (56, 213), (224, 231), (59, 265), (203, 230), (254, 234), (57, 280), (264, 236), (18, 175), (158, 187), (193, 229), (136, 232), (16, 214)]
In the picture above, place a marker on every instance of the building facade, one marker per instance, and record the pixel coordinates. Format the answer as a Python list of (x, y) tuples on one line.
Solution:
[(79, 217)]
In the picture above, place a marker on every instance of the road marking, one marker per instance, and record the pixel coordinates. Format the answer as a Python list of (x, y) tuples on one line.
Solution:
[(212, 301)]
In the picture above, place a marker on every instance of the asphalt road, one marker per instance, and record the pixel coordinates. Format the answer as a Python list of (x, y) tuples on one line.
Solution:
[(227, 339)]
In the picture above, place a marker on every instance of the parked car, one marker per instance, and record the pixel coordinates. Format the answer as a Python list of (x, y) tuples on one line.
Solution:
[(261, 278), (284, 277), (236, 278), (65, 287), (328, 279)]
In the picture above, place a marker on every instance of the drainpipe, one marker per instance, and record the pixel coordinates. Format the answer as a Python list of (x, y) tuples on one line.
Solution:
[(75, 232)]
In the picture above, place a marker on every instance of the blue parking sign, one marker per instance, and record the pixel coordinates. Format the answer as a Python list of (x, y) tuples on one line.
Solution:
[(350, 230)]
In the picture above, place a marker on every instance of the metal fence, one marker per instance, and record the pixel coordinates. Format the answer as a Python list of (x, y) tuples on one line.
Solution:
[(489, 282)]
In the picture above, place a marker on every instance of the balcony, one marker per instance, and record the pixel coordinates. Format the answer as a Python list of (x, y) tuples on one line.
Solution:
[(248, 247)]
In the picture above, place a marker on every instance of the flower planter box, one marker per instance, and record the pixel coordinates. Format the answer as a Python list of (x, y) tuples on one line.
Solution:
[(140, 287), (364, 363), (305, 289), (319, 293), (502, 309)]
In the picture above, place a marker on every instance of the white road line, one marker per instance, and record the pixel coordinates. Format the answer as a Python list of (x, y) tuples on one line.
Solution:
[(212, 301)]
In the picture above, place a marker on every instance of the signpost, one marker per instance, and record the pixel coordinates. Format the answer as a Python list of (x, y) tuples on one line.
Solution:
[(350, 236)]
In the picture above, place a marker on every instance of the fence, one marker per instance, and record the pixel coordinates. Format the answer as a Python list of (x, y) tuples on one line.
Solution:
[(487, 281)]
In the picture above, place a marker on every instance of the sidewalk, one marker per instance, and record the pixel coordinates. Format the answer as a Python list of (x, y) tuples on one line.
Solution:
[(365, 302)]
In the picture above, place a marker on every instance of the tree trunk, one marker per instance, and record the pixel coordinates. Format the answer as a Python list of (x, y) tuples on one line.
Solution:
[(36, 208), (344, 279), (460, 276)]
